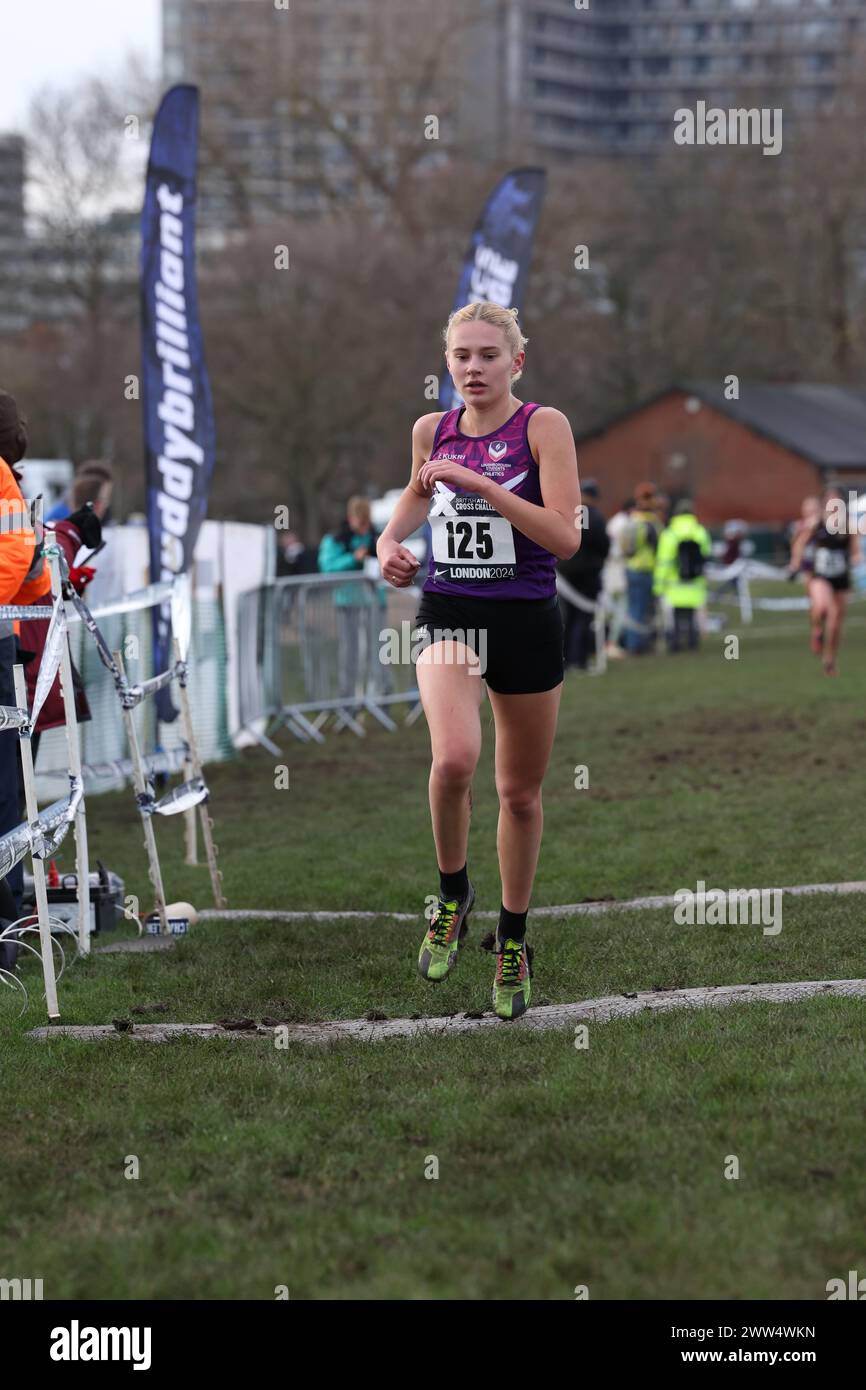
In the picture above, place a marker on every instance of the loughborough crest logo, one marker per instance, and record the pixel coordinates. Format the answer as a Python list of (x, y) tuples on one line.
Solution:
[(497, 449)]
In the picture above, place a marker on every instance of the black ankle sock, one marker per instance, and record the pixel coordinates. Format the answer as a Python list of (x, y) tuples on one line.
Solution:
[(511, 924), (454, 885)]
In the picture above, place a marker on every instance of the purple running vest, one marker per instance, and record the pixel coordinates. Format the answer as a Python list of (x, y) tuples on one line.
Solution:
[(474, 550)]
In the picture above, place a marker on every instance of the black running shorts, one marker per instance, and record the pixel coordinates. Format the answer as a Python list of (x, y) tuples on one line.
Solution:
[(519, 642), (840, 582)]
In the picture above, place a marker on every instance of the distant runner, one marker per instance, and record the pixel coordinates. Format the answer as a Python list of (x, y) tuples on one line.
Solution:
[(830, 551)]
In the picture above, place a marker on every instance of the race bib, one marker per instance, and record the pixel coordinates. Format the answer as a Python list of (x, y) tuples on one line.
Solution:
[(470, 539), (830, 564)]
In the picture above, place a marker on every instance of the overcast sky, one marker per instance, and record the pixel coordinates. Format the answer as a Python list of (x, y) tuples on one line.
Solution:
[(55, 42)]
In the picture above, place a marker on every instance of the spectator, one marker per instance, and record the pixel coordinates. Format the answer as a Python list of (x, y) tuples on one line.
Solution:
[(293, 557), (583, 572), (683, 549), (639, 542), (347, 549), (17, 552), (93, 482), (613, 578), (663, 508)]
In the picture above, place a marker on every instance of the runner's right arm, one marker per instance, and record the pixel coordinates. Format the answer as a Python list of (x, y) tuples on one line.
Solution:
[(799, 541), (411, 509)]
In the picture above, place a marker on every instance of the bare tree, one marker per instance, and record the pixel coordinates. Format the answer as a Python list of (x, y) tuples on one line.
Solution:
[(86, 152)]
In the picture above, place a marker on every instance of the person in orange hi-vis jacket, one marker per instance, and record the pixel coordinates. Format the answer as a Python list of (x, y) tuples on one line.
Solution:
[(17, 550), (26, 579)]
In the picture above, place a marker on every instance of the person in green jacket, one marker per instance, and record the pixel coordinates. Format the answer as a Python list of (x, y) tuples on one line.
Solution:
[(683, 549), (346, 549)]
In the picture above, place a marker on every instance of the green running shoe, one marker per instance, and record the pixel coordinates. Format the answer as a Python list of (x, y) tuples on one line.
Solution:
[(445, 937), (511, 987)]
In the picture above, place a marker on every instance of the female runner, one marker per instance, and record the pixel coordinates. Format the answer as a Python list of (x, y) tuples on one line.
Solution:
[(502, 478), (834, 549)]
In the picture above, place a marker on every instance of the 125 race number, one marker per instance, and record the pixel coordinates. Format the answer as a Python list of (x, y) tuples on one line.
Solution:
[(481, 540)]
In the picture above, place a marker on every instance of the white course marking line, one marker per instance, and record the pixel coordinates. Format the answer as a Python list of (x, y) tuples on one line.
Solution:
[(566, 910), (550, 1016), (137, 943)]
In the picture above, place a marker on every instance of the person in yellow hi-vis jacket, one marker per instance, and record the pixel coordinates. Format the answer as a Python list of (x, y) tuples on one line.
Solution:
[(638, 543), (678, 579)]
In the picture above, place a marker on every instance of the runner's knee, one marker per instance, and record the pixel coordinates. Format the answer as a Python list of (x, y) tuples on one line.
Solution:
[(455, 767), (519, 799)]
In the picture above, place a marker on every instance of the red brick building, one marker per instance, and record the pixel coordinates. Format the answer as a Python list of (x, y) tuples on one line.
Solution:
[(755, 458)]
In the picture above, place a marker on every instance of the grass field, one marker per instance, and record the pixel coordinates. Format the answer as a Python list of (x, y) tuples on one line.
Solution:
[(305, 1167)]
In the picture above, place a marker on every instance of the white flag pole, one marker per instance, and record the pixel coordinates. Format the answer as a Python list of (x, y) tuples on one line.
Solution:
[(206, 822), (38, 865), (140, 783), (82, 863)]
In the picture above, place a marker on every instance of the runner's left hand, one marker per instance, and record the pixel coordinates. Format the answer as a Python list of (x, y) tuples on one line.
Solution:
[(444, 471)]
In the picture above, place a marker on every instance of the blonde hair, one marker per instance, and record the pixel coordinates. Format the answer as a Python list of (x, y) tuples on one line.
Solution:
[(358, 506), (506, 319)]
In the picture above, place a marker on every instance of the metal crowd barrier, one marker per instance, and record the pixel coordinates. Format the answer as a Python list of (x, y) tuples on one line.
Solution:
[(41, 834), (317, 650)]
